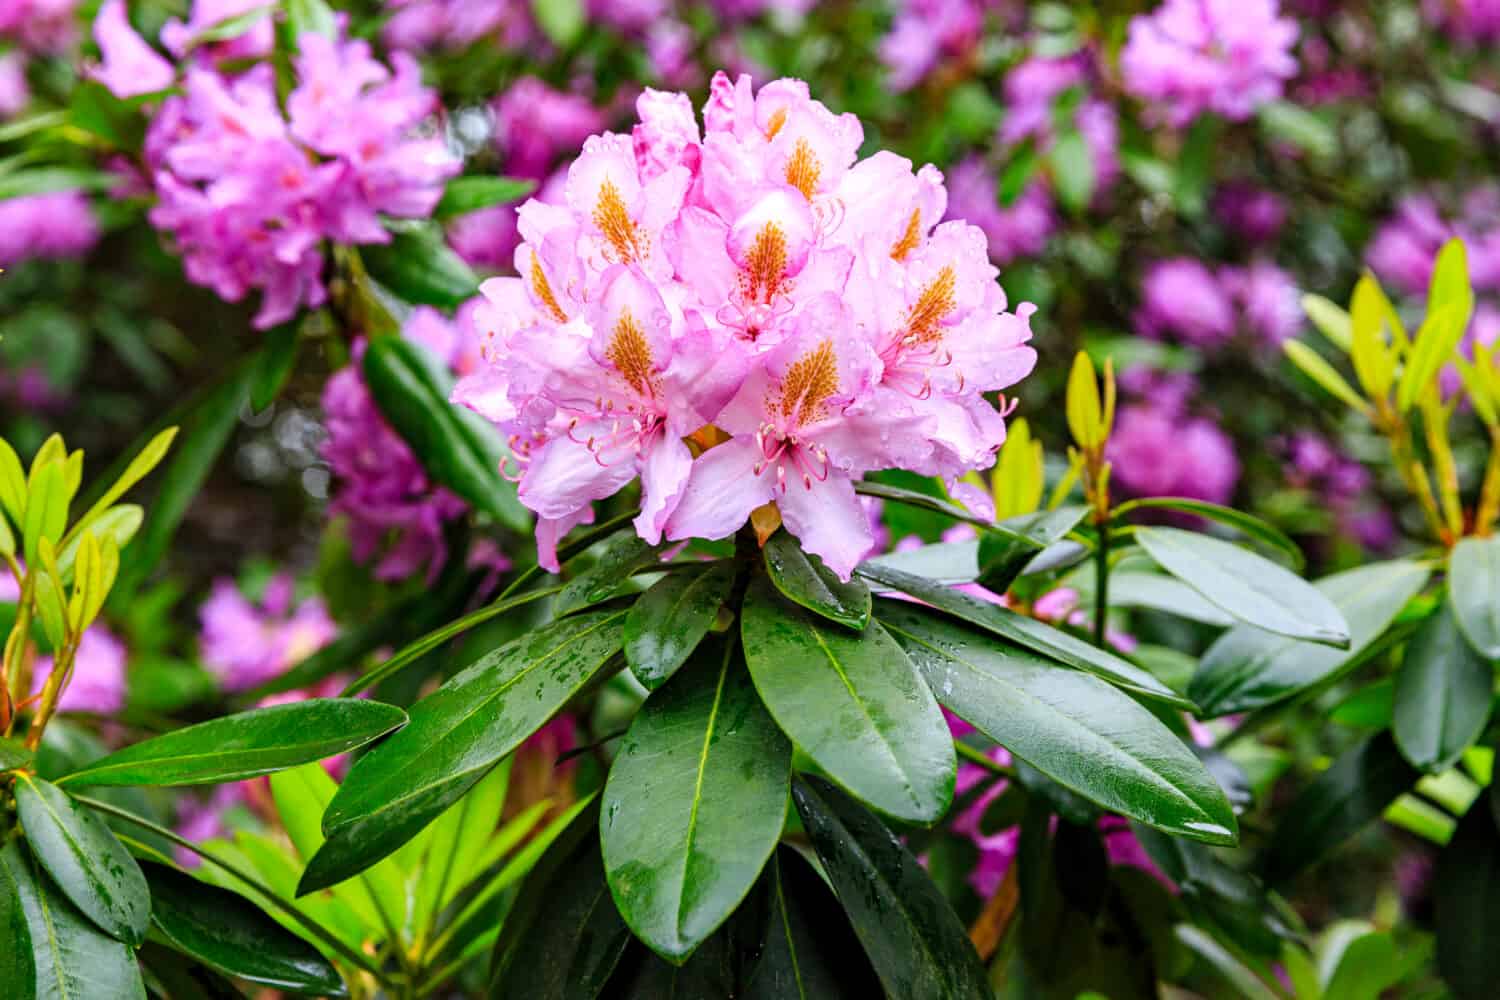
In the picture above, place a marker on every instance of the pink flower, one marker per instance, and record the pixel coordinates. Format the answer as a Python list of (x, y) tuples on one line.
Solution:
[(245, 644), (15, 93), (1157, 451), (179, 37), (1182, 298), (450, 24), (1014, 231), (924, 33), (1269, 303), (1406, 246), (757, 279), (97, 683), (1252, 213), (1032, 90), (130, 66), (46, 26), (534, 122), (1192, 56), (46, 227), (1472, 21)]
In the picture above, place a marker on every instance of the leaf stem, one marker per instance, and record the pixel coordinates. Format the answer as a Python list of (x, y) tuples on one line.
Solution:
[(1101, 582), (976, 756)]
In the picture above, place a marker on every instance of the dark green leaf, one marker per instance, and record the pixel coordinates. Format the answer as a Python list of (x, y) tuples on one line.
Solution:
[(470, 194), (1027, 632), (172, 976), (721, 967), (803, 578), (1005, 554), (275, 364), (14, 754), (1443, 694), (251, 743), (1133, 589), (71, 958), (1474, 582), (810, 951), (421, 268), (1467, 891), (912, 498), (1248, 524), (1072, 171), (911, 935), (668, 621), (941, 562), (1248, 668), (1354, 791), (1081, 732), (456, 734), (1252, 589), (87, 863), (227, 932), (456, 446), (1367, 967), (609, 576), (17, 967), (853, 703), (1302, 127), (694, 804)]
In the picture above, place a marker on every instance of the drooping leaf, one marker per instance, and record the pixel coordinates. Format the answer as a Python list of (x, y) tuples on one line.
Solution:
[(1466, 889), (1474, 583), (909, 932), (455, 736), (853, 703), (1247, 524), (1247, 668), (227, 932), (694, 804), (472, 193), (608, 577), (1159, 592), (457, 447), (1338, 803), (421, 268), (85, 860), (1246, 586), (1443, 694), (669, 620), (17, 966), (275, 364), (1026, 632), (69, 955), (1005, 554), (1072, 726), (245, 745), (803, 578)]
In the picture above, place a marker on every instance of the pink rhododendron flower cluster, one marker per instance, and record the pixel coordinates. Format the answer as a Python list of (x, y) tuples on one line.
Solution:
[(46, 226), (97, 683), (39, 25), (925, 33), (1020, 229), (1473, 21), (452, 24), (249, 194), (1032, 93), (754, 279), (1225, 56), (245, 643), (394, 511), (1406, 246), (1183, 299), (1160, 449)]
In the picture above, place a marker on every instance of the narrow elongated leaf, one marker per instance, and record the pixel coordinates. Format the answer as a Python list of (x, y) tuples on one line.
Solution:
[(454, 853), (251, 743), (853, 703), (456, 446), (225, 931), (421, 268), (87, 863), (1248, 587), (694, 804), (1466, 887), (69, 955), (17, 966), (1247, 524), (470, 194), (622, 556), (275, 365), (941, 562), (1026, 632), (455, 736), (1436, 339), (1079, 731), (1159, 592), (911, 935), (668, 621), (1443, 694), (1474, 583), (1004, 554), (810, 951), (1247, 668), (1354, 791), (804, 579)]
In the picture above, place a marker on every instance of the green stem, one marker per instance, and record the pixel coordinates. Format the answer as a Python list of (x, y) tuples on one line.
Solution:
[(1101, 583), (327, 936), (976, 756)]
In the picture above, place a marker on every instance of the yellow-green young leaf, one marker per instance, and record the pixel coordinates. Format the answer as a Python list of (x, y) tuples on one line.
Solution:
[(88, 582), (73, 474), (1330, 319), (50, 608), (1312, 364), (1374, 362), (12, 482), (1450, 278), (1083, 402), (7, 540), (1436, 342), (140, 467), (46, 509), (1392, 318), (1018, 481), (52, 448), (118, 524), (1477, 387), (1107, 422)]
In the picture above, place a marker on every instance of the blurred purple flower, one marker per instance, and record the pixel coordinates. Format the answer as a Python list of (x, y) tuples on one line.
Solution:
[(46, 226), (15, 93), (1269, 303), (1191, 56), (245, 643), (1183, 299), (1472, 21), (130, 66), (255, 42), (1020, 229), (1252, 213), (40, 25), (1406, 246), (926, 32), (97, 683), (535, 122), (1031, 93), (1160, 451), (442, 24), (487, 238)]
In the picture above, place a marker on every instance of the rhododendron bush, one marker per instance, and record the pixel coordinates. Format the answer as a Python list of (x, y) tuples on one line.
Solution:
[(927, 499)]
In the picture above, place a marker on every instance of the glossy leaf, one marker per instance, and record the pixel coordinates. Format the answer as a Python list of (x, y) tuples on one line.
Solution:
[(12, 483), (457, 447), (1331, 320), (69, 955), (251, 743), (853, 703), (420, 267), (803, 578), (1079, 731), (1247, 668), (810, 951), (455, 736), (941, 562), (456, 844), (14, 754), (87, 863), (911, 935), (1352, 792), (694, 804), (1159, 592), (1443, 694), (1474, 583), (607, 577), (139, 468), (470, 194), (1246, 586), (1027, 632), (1435, 342), (17, 966), (225, 931), (1005, 554), (1247, 524), (1316, 367), (669, 620), (1466, 890)]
